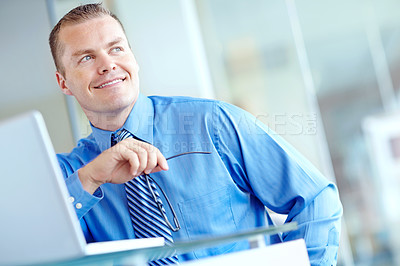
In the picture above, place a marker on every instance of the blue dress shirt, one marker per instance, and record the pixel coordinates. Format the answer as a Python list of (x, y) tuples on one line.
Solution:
[(249, 168)]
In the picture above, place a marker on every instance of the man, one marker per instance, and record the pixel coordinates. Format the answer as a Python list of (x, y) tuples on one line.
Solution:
[(225, 189)]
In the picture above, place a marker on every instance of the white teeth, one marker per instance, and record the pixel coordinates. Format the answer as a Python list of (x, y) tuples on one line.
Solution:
[(110, 83)]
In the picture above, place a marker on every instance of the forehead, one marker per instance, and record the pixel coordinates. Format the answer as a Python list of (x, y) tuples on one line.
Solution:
[(91, 34)]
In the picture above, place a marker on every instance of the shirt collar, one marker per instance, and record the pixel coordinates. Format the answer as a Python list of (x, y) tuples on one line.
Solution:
[(139, 123)]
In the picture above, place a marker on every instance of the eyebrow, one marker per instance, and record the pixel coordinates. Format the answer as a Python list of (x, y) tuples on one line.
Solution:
[(89, 51)]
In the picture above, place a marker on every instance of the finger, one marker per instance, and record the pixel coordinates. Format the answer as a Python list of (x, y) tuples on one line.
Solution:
[(136, 147), (151, 161), (143, 158), (157, 169), (134, 161), (161, 161)]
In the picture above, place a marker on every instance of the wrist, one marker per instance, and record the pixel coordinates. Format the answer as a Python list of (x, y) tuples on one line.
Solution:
[(88, 183)]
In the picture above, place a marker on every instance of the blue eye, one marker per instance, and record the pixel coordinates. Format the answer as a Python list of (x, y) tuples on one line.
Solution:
[(86, 58), (117, 49)]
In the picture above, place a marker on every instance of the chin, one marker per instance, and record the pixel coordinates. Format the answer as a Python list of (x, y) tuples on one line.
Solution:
[(119, 106)]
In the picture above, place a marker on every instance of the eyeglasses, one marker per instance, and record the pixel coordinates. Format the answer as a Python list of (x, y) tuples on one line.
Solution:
[(148, 178)]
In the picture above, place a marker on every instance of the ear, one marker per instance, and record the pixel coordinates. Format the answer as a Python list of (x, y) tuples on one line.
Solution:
[(62, 83)]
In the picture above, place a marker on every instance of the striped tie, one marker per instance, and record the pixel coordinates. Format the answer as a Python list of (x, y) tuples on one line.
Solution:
[(145, 215)]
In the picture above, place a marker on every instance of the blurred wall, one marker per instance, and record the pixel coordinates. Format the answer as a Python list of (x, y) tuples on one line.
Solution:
[(166, 41), (27, 71)]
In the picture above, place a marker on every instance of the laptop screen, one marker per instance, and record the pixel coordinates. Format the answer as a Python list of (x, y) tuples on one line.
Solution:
[(37, 222)]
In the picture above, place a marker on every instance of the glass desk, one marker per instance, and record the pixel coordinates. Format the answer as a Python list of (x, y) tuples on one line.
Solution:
[(141, 256)]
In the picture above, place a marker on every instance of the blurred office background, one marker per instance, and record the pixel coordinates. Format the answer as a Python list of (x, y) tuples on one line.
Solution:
[(323, 74)]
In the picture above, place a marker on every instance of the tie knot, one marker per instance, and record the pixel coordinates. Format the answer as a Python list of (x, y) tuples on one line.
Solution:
[(120, 135)]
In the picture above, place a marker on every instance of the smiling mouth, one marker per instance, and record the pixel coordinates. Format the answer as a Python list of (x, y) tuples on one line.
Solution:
[(110, 83)]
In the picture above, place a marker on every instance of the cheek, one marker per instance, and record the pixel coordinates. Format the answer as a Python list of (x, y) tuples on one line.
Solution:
[(130, 64), (81, 79), (77, 83)]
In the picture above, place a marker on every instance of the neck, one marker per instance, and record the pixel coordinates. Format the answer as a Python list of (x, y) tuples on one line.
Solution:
[(109, 121)]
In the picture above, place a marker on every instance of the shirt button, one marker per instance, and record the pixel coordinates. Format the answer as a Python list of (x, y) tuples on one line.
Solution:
[(78, 205), (71, 199)]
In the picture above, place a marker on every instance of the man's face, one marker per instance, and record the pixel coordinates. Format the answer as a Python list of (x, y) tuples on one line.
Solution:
[(100, 70)]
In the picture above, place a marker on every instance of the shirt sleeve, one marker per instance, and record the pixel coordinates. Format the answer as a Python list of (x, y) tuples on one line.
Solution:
[(266, 166), (82, 200)]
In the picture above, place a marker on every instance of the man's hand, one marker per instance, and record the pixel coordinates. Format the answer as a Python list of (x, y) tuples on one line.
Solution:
[(121, 163)]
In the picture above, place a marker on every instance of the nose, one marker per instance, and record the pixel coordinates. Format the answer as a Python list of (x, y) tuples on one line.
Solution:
[(105, 64)]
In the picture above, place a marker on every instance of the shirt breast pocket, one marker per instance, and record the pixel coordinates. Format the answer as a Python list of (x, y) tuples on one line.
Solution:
[(209, 215)]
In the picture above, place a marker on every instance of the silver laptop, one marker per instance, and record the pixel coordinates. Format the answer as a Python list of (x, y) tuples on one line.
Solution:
[(37, 222)]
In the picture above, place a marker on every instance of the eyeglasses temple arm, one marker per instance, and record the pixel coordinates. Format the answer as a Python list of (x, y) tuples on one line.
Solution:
[(189, 152)]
